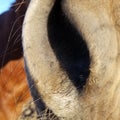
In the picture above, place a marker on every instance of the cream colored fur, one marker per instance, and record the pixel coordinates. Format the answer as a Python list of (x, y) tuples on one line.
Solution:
[(98, 22)]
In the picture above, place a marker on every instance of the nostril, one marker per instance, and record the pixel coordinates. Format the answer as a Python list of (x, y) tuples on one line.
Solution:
[(79, 74), (68, 46)]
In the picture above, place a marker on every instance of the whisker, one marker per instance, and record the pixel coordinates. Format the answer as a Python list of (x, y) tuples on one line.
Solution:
[(10, 52), (18, 38), (16, 4), (26, 93), (47, 114), (12, 45), (17, 30), (20, 4), (36, 100), (9, 38)]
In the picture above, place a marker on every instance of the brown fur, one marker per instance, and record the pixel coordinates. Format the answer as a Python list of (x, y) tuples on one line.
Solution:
[(13, 86)]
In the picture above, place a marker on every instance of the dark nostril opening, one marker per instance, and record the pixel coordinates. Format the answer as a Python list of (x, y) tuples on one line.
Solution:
[(68, 46)]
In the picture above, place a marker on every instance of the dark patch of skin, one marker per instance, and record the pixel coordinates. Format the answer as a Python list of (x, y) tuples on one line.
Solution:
[(34, 92), (69, 46), (40, 105), (10, 32)]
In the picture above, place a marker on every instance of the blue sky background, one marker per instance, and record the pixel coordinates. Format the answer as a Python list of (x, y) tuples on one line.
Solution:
[(5, 5)]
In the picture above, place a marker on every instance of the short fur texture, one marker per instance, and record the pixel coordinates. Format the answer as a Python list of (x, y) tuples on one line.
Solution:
[(14, 90), (98, 24)]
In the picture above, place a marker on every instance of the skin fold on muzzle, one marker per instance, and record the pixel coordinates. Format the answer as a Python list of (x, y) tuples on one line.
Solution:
[(71, 52)]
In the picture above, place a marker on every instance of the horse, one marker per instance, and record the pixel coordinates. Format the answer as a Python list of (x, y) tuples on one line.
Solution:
[(14, 92)]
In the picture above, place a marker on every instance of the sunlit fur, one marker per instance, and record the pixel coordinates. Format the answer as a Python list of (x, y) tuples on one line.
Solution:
[(98, 23), (14, 92)]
